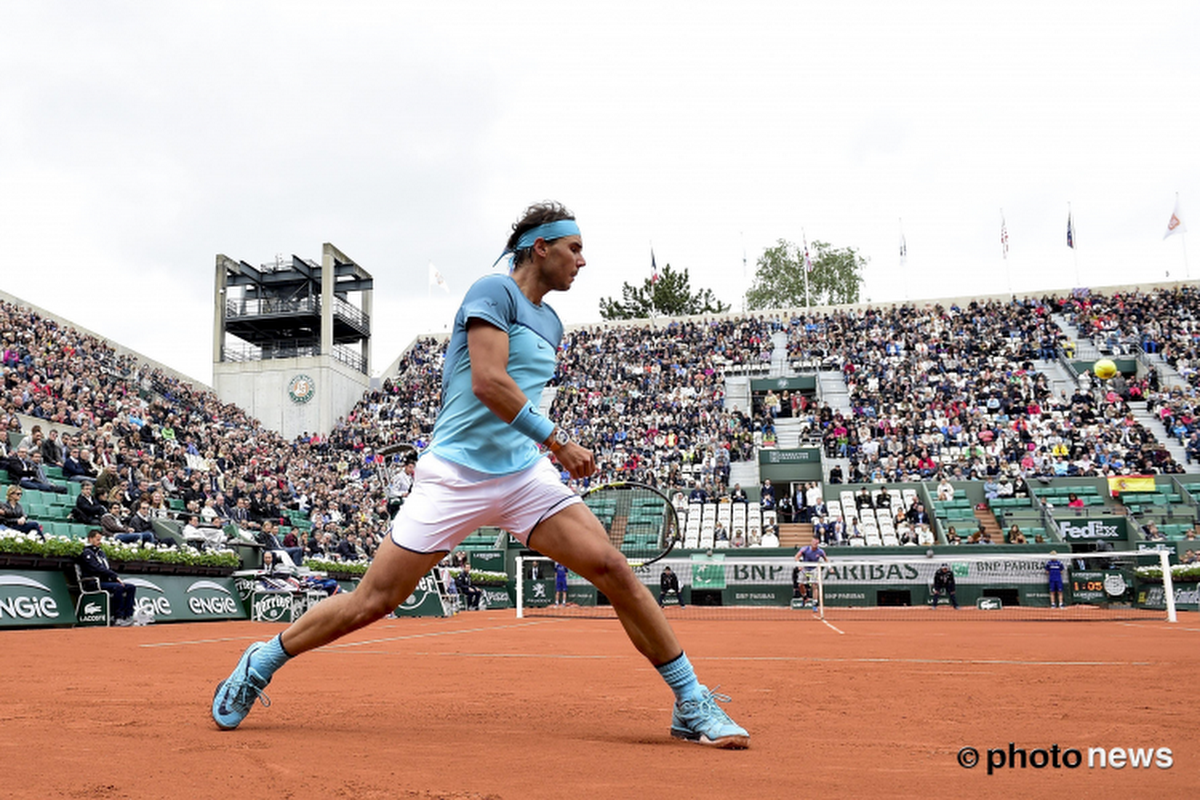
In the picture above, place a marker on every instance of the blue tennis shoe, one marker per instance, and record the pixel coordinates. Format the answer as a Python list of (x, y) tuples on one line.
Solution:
[(704, 722), (236, 694)]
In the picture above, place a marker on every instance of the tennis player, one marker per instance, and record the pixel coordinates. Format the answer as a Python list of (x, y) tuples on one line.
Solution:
[(810, 554), (483, 468)]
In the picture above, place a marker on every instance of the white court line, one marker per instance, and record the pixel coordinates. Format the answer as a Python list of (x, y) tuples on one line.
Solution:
[(804, 659), (1169, 626), (434, 633), (833, 627), (354, 644)]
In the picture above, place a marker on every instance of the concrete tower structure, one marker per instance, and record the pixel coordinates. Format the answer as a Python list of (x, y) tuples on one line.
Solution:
[(292, 339)]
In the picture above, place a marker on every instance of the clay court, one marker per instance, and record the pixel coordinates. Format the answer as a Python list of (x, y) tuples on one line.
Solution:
[(484, 705)]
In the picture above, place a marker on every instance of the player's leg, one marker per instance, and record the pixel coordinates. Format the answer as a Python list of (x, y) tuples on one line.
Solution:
[(577, 536), (392, 577), (574, 537)]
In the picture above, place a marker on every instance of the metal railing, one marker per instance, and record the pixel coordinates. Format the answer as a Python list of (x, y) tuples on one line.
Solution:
[(285, 348), (274, 306)]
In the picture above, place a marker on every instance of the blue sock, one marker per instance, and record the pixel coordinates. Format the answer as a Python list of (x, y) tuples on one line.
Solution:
[(680, 676), (270, 657)]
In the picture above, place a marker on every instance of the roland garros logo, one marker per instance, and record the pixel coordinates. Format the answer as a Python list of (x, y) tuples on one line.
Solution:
[(301, 389)]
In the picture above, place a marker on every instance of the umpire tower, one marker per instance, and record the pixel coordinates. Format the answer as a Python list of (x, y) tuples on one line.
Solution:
[(292, 339)]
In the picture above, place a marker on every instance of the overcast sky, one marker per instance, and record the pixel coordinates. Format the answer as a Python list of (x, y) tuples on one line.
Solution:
[(138, 140)]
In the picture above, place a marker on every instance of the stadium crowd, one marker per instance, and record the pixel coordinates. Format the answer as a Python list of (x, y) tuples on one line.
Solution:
[(142, 433), (1163, 322), (936, 393), (955, 391)]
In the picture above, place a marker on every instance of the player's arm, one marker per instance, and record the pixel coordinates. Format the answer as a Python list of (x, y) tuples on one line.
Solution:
[(495, 388)]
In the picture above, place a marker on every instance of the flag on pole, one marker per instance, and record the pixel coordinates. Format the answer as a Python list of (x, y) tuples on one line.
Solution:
[(654, 276), (1003, 237), (903, 250), (436, 279), (1175, 223), (1070, 232), (808, 265)]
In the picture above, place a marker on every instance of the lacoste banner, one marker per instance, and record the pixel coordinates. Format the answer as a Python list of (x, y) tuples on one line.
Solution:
[(93, 609), (34, 598), (179, 598)]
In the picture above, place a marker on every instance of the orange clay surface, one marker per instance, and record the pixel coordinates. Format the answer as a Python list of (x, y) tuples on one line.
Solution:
[(488, 706)]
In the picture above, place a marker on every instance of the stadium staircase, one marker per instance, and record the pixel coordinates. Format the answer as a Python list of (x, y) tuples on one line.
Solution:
[(831, 389), (788, 433), (1085, 350), (990, 524), (779, 355), (795, 534), (1153, 424), (744, 473), (737, 393)]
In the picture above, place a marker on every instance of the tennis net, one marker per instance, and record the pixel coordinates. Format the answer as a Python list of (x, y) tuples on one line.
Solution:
[(1111, 585)]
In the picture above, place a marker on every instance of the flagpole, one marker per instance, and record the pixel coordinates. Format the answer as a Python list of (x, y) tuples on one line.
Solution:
[(1004, 254), (804, 266), (1074, 243), (904, 259), (1187, 271)]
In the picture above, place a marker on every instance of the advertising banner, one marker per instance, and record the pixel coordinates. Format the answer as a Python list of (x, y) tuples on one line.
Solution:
[(30, 598), (181, 598), (1090, 529), (425, 601)]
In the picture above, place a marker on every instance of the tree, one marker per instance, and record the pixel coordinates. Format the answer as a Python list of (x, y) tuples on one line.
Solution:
[(835, 279), (669, 296)]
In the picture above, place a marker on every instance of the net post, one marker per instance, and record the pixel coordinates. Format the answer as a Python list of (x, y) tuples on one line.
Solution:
[(520, 587), (1164, 559), (821, 569)]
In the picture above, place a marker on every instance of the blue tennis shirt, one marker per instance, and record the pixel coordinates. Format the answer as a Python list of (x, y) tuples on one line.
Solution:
[(467, 432)]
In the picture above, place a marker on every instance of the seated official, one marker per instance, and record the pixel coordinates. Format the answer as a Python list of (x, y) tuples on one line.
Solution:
[(468, 589), (93, 563)]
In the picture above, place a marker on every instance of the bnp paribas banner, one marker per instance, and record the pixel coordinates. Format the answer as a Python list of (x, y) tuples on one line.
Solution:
[(35, 598), (712, 572), (179, 598)]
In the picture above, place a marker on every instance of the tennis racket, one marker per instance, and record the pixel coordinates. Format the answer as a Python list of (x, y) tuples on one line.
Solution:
[(640, 520)]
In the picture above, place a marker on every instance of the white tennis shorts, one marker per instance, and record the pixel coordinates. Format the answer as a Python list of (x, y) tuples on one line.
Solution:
[(449, 501)]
